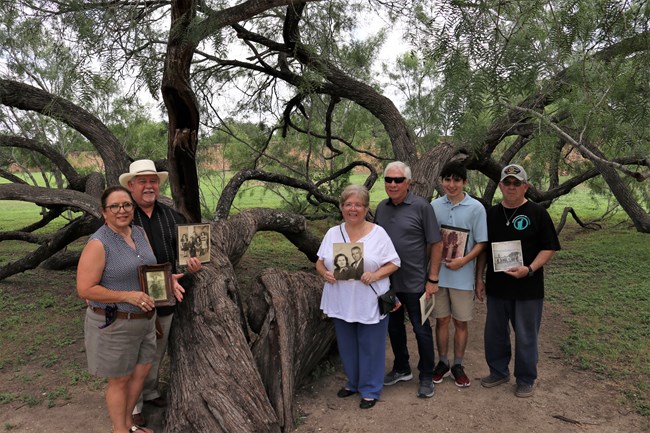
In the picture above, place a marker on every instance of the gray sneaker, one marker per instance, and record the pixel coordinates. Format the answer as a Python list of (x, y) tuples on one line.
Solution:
[(492, 381), (395, 376), (524, 390), (426, 389)]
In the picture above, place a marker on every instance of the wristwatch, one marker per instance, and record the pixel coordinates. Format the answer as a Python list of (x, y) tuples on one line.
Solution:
[(432, 281), (530, 271)]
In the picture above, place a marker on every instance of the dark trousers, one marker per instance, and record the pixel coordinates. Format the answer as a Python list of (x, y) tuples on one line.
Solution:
[(423, 336), (526, 318)]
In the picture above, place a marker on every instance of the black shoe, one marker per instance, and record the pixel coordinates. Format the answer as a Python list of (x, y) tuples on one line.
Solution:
[(440, 372), (367, 404), (344, 392), (460, 378)]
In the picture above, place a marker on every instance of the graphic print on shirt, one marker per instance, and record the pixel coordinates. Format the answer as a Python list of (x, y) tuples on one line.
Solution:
[(521, 222)]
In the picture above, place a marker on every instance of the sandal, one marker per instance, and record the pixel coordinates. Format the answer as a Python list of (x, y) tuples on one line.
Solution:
[(137, 429)]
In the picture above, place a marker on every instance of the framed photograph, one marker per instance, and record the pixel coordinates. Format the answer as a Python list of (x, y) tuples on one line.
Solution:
[(156, 281), (506, 255), (348, 260), (454, 241), (193, 241)]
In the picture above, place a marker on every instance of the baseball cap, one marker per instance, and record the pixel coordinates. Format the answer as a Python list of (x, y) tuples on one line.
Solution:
[(514, 170)]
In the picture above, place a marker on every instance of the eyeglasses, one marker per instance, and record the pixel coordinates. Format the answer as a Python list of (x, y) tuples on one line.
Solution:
[(115, 208), (389, 179), (353, 206), (512, 183)]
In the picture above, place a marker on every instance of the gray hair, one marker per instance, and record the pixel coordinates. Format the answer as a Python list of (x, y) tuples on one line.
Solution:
[(358, 190), (399, 165)]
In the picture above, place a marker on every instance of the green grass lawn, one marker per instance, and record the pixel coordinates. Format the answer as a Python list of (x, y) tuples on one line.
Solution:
[(602, 281)]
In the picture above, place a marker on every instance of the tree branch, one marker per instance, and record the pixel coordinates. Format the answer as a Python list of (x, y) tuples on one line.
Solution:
[(74, 179), (640, 177), (26, 97), (71, 232), (51, 196)]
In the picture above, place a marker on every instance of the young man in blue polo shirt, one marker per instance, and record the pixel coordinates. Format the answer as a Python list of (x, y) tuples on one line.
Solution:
[(455, 299)]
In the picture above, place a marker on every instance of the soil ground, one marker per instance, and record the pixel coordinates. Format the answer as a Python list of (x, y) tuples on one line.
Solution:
[(565, 399)]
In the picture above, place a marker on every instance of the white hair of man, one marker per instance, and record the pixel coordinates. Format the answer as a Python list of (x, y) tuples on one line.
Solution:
[(399, 165)]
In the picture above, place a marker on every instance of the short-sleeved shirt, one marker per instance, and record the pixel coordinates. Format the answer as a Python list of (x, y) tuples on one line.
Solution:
[(532, 225), (468, 214), (412, 227), (352, 300), (121, 263), (163, 236)]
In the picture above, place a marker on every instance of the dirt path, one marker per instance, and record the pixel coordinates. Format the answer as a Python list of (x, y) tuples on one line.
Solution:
[(561, 391)]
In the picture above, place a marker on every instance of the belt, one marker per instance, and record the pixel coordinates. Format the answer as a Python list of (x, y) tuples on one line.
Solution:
[(124, 314)]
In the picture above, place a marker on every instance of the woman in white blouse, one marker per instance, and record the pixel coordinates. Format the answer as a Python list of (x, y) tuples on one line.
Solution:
[(352, 304)]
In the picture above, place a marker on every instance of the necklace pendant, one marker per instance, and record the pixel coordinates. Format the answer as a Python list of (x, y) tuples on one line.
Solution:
[(507, 223)]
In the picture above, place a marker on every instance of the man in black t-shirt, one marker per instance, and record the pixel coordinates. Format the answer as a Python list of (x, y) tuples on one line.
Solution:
[(515, 293)]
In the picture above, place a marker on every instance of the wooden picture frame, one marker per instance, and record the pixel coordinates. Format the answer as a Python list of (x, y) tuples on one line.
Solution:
[(156, 281), (193, 241)]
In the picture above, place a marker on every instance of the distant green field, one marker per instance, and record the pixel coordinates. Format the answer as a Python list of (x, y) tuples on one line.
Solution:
[(16, 214)]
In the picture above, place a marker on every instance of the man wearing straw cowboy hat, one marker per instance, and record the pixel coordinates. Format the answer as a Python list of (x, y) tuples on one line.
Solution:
[(159, 222)]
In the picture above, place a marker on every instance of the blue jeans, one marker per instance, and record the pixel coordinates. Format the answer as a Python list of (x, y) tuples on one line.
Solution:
[(526, 318), (362, 349), (423, 337)]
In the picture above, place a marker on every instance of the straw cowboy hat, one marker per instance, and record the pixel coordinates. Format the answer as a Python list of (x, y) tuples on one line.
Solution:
[(141, 167)]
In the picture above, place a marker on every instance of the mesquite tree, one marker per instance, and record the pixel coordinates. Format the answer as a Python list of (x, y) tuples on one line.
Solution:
[(237, 359)]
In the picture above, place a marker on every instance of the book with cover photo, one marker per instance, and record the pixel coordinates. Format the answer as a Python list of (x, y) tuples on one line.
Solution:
[(426, 306), (454, 241)]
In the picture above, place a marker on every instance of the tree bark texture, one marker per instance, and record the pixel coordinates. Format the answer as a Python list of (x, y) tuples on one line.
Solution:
[(236, 358), (183, 112)]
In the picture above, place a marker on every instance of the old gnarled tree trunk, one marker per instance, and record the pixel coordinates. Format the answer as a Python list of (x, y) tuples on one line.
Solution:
[(236, 359)]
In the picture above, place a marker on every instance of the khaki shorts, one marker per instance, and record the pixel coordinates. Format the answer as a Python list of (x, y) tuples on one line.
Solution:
[(115, 350), (457, 303)]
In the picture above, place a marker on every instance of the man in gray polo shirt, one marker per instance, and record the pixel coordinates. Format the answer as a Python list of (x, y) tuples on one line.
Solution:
[(411, 224)]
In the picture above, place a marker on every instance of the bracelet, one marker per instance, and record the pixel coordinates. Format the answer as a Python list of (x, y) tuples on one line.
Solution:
[(432, 281)]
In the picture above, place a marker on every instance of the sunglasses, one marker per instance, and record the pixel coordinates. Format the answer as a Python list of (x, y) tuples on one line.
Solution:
[(389, 179), (512, 182)]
